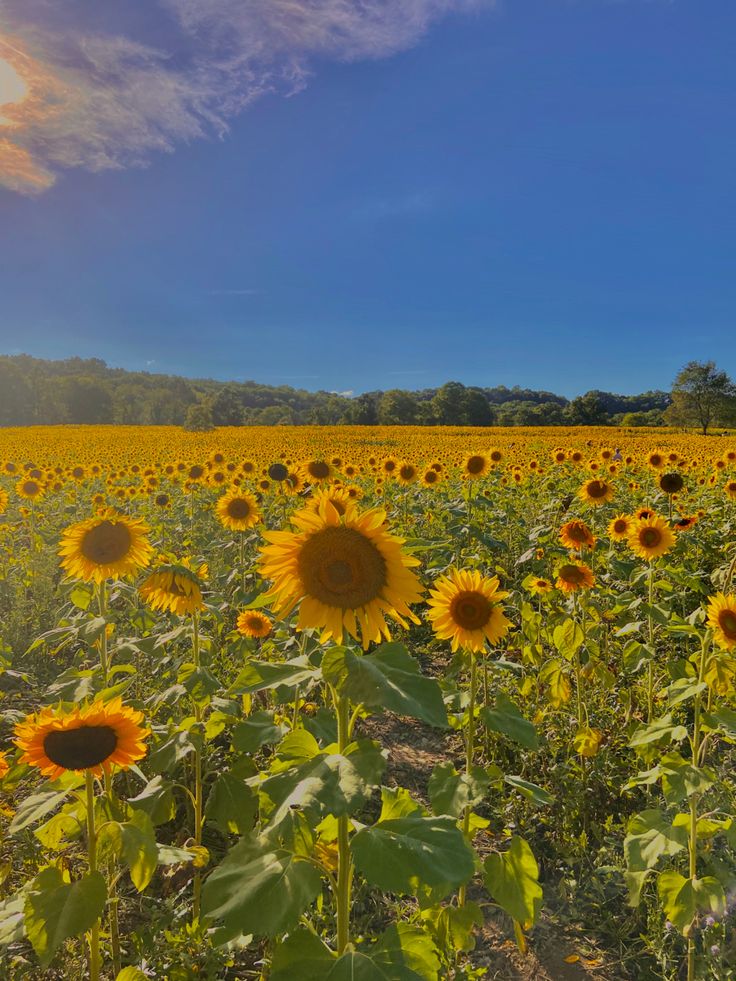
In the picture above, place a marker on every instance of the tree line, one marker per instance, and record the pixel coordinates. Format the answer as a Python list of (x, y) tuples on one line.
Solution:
[(81, 391)]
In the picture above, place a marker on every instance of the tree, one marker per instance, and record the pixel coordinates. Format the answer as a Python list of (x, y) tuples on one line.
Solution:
[(702, 396), (199, 416), (397, 408), (588, 410)]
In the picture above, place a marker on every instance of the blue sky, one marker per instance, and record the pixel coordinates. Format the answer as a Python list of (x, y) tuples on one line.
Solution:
[(532, 192)]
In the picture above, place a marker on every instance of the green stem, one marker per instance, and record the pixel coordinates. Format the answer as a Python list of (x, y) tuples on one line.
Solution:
[(650, 669), (198, 821), (344, 861), (469, 752), (95, 960), (693, 838)]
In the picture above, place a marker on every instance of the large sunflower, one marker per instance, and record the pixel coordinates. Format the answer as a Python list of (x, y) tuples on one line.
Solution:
[(238, 510), (576, 534), (596, 492), (464, 608), (92, 737), (348, 572), (173, 587), (107, 546), (722, 618), (572, 576), (651, 537)]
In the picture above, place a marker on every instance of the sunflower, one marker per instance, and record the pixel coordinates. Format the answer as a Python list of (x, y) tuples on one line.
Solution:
[(348, 572), (576, 534), (685, 522), (596, 492), (318, 471), (4, 766), (651, 537), (643, 513), (174, 587), (30, 489), (464, 608), (540, 587), (722, 618), (3, 500), (476, 465), (253, 623), (430, 478), (573, 576), (407, 473), (278, 472), (162, 501), (730, 489), (671, 483), (107, 546), (619, 527), (337, 496), (390, 466), (656, 459), (238, 510), (91, 737)]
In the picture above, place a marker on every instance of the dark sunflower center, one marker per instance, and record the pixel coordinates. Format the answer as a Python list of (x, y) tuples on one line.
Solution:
[(578, 533), (389, 466), (475, 464), (470, 610), (319, 469), (196, 472), (671, 483), (430, 477), (727, 623), (597, 488), (407, 472), (571, 573), (341, 567), (619, 526), (238, 508), (30, 487), (107, 542), (650, 537), (82, 748), (496, 456), (277, 471)]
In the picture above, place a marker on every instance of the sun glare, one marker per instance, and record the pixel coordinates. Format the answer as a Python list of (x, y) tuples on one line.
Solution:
[(12, 87)]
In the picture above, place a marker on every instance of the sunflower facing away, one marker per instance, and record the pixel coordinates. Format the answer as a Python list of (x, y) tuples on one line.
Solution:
[(253, 623), (464, 608), (651, 537), (237, 510), (722, 618), (173, 587), (573, 576), (91, 737), (107, 546), (348, 572), (576, 534)]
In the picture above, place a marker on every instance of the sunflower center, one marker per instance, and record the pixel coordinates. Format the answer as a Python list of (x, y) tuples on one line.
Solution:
[(82, 748), (407, 472), (620, 526), (671, 483), (277, 471), (475, 464), (238, 508), (106, 543), (341, 567), (319, 469), (578, 533), (650, 537), (571, 573), (470, 610), (727, 623), (597, 488)]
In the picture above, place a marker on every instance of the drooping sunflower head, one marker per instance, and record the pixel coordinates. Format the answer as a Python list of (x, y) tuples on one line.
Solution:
[(347, 572), (651, 537), (92, 737), (173, 587), (619, 527), (671, 483), (238, 510), (253, 623), (465, 608), (722, 620), (572, 576), (576, 534), (107, 546), (476, 465), (596, 492)]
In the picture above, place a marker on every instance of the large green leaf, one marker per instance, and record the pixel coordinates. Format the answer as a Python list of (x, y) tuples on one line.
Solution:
[(683, 899), (301, 957), (260, 675), (451, 792), (407, 953), (406, 854), (259, 889), (257, 730), (56, 910), (156, 799), (532, 791), (506, 718), (354, 966), (231, 804), (136, 846), (453, 925), (389, 678), (568, 638), (650, 835), (12, 918), (329, 783), (36, 807), (658, 731), (512, 879)]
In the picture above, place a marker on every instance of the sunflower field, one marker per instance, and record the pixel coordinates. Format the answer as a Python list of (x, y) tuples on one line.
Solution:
[(387, 704)]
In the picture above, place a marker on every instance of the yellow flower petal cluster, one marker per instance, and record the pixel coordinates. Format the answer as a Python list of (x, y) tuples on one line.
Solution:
[(464, 608), (108, 546)]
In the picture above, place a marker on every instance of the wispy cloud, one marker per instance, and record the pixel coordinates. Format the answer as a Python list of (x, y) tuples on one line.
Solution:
[(109, 100)]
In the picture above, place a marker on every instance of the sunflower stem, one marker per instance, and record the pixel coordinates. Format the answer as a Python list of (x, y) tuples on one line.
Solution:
[(95, 960), (469, 753), (696, 761), (344, 861), (102, 608), (197, 884), (650, 669)]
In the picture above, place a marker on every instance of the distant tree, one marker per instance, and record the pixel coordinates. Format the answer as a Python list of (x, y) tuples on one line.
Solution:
[(227, 407), (587, 410), (476, 410), (448, 404), (702, 396), (397, 408), (363, 410), (86, 401), (199, 416)]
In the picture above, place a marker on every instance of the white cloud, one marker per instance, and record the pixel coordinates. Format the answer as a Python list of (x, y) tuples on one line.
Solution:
[(103, 101)]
